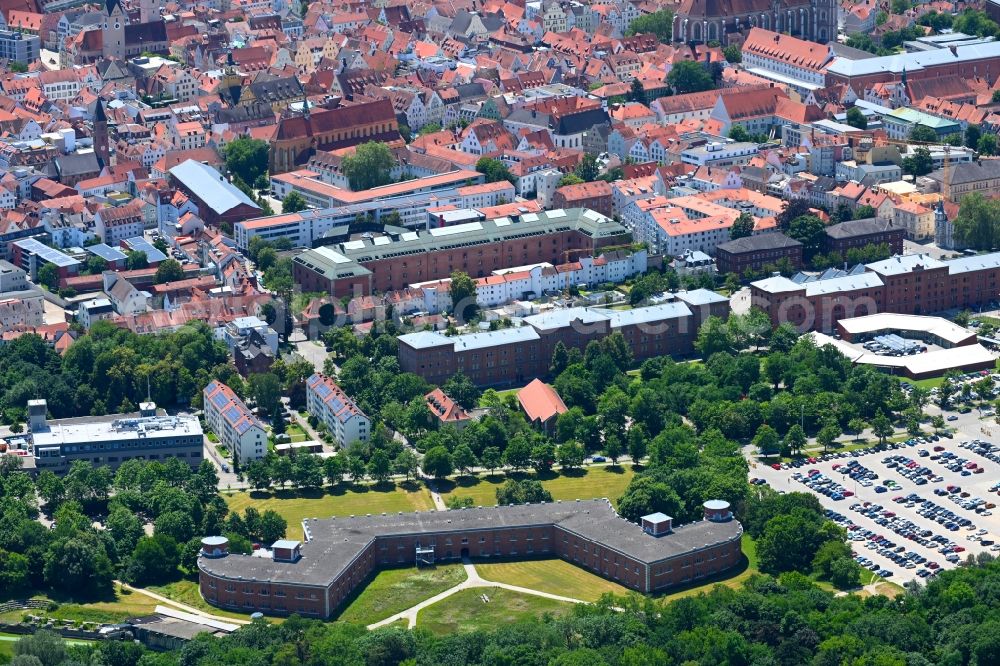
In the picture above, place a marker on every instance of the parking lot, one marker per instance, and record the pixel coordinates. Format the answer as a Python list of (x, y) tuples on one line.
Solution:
[(910, 509)]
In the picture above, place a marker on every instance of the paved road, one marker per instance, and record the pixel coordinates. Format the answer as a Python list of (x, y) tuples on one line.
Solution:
[(313, 352)]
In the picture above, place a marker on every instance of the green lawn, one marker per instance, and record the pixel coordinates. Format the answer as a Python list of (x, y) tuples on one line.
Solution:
[(553, 576), (341, 501), (295, 432), (187, 592), (929, 383), (465, 611), (124, 604), (395, 590), (503, 394), (588, 483)]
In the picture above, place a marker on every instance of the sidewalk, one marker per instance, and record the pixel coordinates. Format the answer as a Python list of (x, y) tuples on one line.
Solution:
[(473, 580), (177, 604)]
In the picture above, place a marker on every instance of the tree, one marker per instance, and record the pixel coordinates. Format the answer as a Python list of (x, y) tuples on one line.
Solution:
[(525, 491), (293, 203), (738, 133), (713, 337), (463, 297), (406, 463), (46, 646), (136, 260), (658, 23), (266, 391), (742, 227), (972, 135), (569, 179), (569, 455), (790, 541), (169, 271), (462, 390), (78, 565), (491, 459), (766, 440), (464, 458), (856, 425), (987, 145), (920, 163), (333, 469), (810, 231), (48, 276), (827, 435), (845, 573), (494, 170), (636, 94), (437, 463), (978, 223), (271, 527), (154, 560), (689, 76), (246, 158), (379, 466), (882, 427), (587, 169), (369, 166), (855, 118), (733, 54), (177, 525), (795, 439), (96, 265), (937, 422), (543, 456), (517, 456), (864, 212), (793, 210)]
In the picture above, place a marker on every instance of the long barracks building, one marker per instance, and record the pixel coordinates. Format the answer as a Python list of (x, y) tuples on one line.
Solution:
[(908, 284), (387, 263), (517, 355), (314, 578)]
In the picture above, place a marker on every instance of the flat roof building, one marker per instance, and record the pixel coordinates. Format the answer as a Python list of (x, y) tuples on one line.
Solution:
[(315, 578), (388, 263), (113, 439)]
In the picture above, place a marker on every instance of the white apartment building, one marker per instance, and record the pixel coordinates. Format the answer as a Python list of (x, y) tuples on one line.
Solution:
[(344, 419), (236, 427)]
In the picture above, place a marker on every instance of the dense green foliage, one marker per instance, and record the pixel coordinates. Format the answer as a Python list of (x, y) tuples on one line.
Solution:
[(494, 170), (108, 370), (369, 166), (783, 621), (657, 23), (689, 76), (76, 560), (978, 223)]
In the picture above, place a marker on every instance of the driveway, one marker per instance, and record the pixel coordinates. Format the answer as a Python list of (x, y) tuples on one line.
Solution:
[(312, 351)]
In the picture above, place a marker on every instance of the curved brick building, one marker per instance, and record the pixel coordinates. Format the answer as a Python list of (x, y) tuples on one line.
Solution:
[(313, 578)]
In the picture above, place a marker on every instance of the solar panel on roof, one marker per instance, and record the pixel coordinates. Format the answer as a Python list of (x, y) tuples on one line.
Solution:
[(232, 413), (220, 400), (322, 390)]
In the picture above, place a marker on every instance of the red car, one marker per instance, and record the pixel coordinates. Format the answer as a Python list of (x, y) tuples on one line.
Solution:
[(848, 493), (958, 549), (939, 448), (775, 466)]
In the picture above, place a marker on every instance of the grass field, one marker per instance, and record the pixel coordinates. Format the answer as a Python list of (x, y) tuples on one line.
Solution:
[(395, 590), (295, 433), (186, 592), (124, 604), (553, 576), (342, 501), (591, 482), (465, 611)]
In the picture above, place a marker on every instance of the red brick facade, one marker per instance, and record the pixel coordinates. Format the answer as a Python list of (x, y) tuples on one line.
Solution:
[(552, 540)]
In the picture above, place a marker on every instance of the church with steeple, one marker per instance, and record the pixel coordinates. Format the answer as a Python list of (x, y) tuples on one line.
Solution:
[(116, 37)]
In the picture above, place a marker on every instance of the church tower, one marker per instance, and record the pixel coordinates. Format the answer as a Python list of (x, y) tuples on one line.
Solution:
[(114, 30), (149, 11), (102, 147), (825, 21)]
